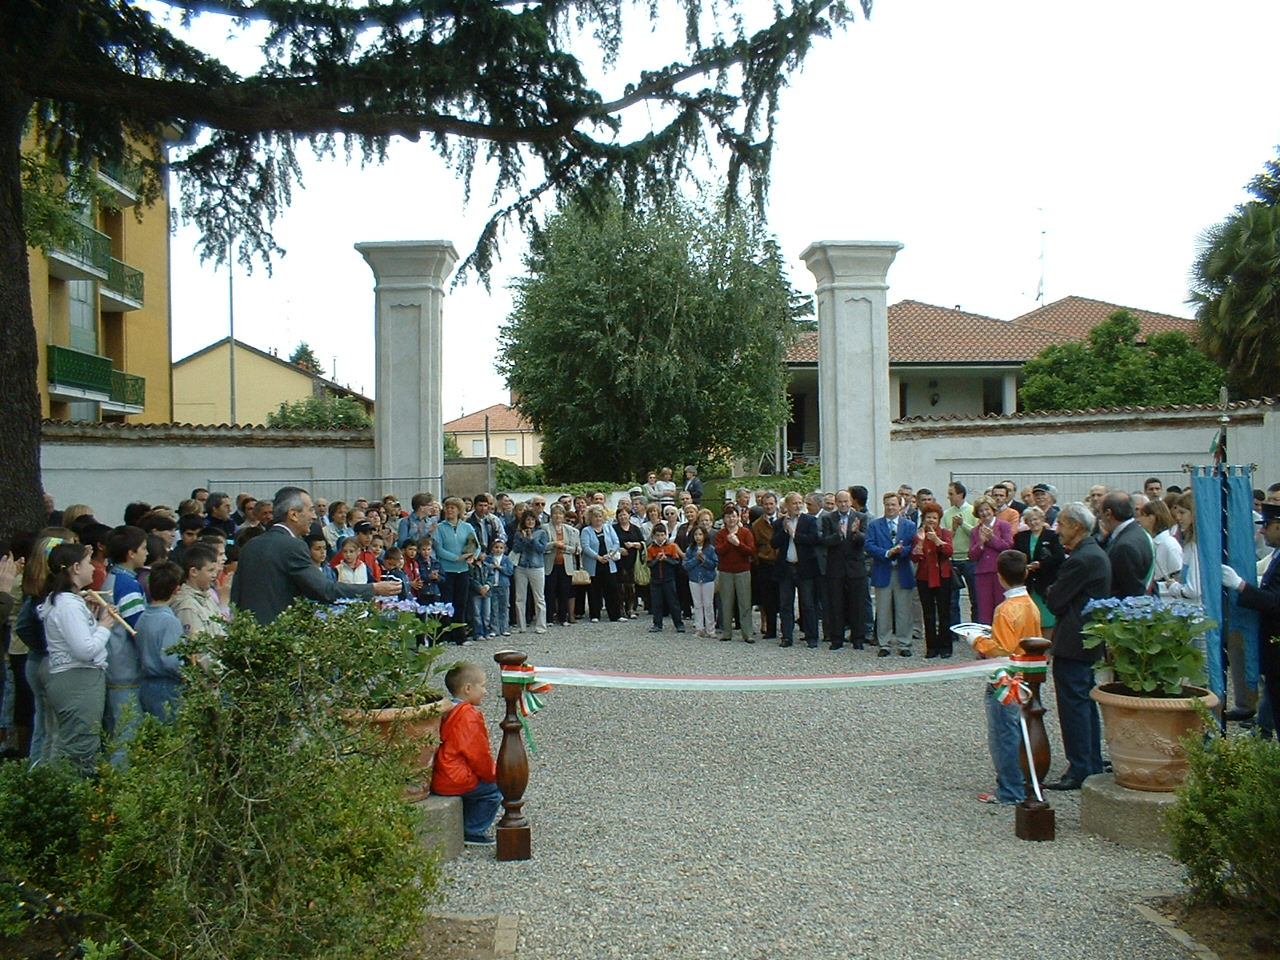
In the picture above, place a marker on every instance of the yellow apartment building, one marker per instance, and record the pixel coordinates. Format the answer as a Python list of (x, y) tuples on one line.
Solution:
[(263, 381), (511, 436), (101, 311)]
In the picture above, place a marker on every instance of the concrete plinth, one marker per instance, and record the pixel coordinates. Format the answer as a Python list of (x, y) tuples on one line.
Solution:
[(854, 409), (408, 419), (1134, 818), (441, 825)]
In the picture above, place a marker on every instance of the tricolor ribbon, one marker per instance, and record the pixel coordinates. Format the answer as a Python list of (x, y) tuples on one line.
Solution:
[(529, 702), (1010, 687)]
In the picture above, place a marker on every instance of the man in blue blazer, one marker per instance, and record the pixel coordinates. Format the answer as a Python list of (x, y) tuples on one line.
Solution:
[(795, 538), (889, 539)]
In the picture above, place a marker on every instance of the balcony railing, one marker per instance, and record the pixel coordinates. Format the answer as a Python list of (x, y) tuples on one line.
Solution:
[(89, 247), (124, 174), (128, 389), (75, 368), (124, 280)]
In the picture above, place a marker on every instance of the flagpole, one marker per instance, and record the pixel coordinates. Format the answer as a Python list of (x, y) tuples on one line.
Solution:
[(1221, 465)]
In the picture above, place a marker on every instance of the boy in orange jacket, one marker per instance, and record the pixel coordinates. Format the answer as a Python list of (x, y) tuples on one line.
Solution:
[(1016, 619), (464, 765)]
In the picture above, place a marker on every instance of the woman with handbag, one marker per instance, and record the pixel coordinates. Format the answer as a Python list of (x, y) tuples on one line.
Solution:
[(631, 541), (600, 552), (561, 566)]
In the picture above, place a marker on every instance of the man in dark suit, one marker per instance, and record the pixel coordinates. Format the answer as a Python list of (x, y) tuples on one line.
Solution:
[(275, 568), (843, 535), (1265, 598), (1129, 547), (889, 540), (1085, 576), (795, 538)]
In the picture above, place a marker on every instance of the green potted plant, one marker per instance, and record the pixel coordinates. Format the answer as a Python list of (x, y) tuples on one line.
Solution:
[(1153, 645), (391, 682)]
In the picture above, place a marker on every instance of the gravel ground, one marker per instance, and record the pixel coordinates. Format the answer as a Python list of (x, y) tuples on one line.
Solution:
[(808, 824)]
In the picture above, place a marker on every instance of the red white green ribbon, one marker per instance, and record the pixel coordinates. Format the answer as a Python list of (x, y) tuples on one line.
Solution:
[(529, 701), (1010, 688), (574, 677)]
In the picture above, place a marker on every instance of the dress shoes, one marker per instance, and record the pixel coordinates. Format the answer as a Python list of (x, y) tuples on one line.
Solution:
[(836, 646), (883, 652), (931, 655), (1065, 783), (1237, 714), (784, 643)]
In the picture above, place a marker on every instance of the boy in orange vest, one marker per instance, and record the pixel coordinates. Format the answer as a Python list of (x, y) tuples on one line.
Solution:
[(464, 764), (1016, 619)]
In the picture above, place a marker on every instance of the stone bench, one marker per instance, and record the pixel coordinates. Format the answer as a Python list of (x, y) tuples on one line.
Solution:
[(440, 827)]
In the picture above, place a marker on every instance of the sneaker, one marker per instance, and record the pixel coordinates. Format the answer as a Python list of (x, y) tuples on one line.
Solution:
[(481, 841), (540, 630), (595, 619), (506, 633)]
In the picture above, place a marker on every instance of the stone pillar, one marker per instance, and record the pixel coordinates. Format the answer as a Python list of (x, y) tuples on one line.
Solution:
[(1010, 385), (409, 278), (854, 406)]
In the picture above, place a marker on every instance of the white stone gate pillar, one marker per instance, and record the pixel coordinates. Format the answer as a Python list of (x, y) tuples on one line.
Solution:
[(854, 409), (409, 278)]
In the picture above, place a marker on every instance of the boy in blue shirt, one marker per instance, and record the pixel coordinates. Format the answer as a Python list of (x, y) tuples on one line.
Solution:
[(127, 552), (159, 630)]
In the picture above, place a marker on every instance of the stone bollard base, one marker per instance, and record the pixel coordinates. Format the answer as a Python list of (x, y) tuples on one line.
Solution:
[(441, 825), (1134, 818)]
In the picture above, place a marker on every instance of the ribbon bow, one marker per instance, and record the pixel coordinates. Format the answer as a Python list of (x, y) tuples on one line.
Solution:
[(529, 702), (1011, 688)]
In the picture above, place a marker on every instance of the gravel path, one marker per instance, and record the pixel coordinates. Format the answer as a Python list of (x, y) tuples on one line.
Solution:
[(809, 824)]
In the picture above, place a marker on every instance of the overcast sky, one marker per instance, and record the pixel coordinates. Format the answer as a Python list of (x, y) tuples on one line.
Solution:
[(963, 130)]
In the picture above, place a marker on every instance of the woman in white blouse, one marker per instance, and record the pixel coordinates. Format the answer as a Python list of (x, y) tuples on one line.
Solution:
[(1157, 521)]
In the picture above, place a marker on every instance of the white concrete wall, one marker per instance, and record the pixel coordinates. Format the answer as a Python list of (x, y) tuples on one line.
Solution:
[(1102, 446), (110, 470)]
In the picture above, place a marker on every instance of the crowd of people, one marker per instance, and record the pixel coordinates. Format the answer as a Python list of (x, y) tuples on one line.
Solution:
[(92, 610)]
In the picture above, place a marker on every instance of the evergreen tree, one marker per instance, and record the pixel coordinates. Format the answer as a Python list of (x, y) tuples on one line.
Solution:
[(651, 336), (490, 79), (303, 356)]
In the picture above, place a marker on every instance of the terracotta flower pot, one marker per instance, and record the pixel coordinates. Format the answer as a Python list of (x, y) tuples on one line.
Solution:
[(419, 725), (1144, 734)]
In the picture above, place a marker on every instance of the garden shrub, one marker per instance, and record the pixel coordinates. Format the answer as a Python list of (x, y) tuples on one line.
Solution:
[(260, 824), (1225, 827)]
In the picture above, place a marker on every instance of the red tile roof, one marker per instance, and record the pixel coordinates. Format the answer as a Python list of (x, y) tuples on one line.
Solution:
[(1074, 317), (502, 419), (924, 333)]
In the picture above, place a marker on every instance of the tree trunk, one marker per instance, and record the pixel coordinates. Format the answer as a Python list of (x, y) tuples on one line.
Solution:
[(20, 492)]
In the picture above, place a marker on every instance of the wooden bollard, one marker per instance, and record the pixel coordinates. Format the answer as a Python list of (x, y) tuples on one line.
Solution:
[(513, 769), (1033, 819)]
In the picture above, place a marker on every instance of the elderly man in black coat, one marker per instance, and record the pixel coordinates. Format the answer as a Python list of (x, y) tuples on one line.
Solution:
[(275, 568), (1265, 598), (1085, 576), (1129, 547)]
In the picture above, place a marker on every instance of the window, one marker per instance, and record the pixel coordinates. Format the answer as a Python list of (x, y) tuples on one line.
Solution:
[(477, 448), (510, 446), (82, 304)]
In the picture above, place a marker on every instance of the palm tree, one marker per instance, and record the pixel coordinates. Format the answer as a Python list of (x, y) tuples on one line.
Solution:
[(1236, 290)]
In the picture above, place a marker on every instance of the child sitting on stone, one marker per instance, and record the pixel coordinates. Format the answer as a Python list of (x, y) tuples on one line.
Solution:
[(464, 765)]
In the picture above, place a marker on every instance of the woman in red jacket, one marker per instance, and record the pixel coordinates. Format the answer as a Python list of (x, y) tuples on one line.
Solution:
[(932, 555), (736, 548)]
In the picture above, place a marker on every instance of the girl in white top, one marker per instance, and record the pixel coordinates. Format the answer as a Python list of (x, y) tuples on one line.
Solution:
[(1157, 521), (1188, 586), (77, 641)]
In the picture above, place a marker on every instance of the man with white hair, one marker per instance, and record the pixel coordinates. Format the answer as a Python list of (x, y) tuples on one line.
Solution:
[(1085, 576)]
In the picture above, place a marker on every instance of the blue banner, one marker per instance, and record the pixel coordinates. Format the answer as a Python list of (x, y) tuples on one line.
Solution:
[(1207, 488)]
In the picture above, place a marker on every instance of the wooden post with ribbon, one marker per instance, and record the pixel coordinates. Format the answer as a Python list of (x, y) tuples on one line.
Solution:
[(513, 767), (1033, 817)]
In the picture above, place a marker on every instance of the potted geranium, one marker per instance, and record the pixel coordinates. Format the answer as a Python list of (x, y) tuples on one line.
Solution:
[(1154, 700), (394, 668)]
